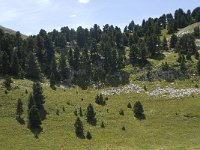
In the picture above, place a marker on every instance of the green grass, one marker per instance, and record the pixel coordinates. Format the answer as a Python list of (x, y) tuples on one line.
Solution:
[(188, 29), (170, 123)]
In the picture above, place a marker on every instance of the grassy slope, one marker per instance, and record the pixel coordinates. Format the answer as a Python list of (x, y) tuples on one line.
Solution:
[(10, 31), (188, 29), (166, 126)]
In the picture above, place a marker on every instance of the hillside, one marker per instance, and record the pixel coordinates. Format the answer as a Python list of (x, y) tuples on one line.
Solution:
[(103, 88), (10, 31), (171, 123)]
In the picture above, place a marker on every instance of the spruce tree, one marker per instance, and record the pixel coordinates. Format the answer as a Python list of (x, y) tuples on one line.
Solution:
[(39, 99), (79, 128), (33, 69), (129, 105), (102, 125), (91, 115), (88, 135), (38, 95), (54, 69), (80, 112), (173, 41), (19, 110), (31, 101), (197, 32), (133, 55), (138, 110), (183, 67), (164, 43), (198, 67), (15, 66), (5, 64), (64, 72), (7, 82), (34, 120), (52, 81)]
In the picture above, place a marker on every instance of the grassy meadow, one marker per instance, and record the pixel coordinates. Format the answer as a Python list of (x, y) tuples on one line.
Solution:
[(170, 123)]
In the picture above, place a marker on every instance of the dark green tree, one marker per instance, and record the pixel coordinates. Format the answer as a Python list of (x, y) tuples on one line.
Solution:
[(88, 135), (138, 110), (164, 43), (133, 55), (197, 32), (31, 101), (76, 59), (5, 64), (15, 66), (173, 41), (79, 128), (7, 82), (39, 99), (196, 55), (80, 112), (64, 72), (90, 114), (129, 105), (52, 81), (34, 120), (121, 112), (38, 94), (19, 110), (33, 69), (183, 67), (100, 100), (102, 125), (198, 67), (54, 69)]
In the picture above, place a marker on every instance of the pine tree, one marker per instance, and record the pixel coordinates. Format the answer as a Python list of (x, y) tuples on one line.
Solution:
[(100, 100), (129, 105), (71, 58), (198, 67), (133, 55), (31, 101), (197, 31), (88, 135), (52, 81), (138, 110), (15, 66), (64, 72), (91, 115), (183, 67), (80, 112), (102, 125), (5, 64), (196, 55), (33, 69), (19, 110), (54, 69), (121, 112), (164, 43), (7, 82), (79, 128), (34, 120), (173, 41), (76, 59), (38, 95)]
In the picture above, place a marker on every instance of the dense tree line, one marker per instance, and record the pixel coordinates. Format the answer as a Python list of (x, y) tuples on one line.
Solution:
[(86, 56)]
